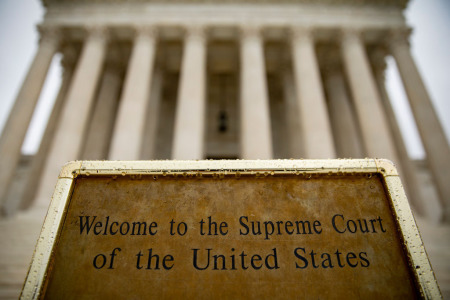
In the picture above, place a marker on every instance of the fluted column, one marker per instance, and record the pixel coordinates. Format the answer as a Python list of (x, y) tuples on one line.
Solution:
[(153, 116), (406, 167), (345, 128), (130, 123), (256, 138), (189, 134), (377, 138), (294, 132), (100, 129), (20, 116), (40, 158), (69, 137), (314, 119), (430, 130)]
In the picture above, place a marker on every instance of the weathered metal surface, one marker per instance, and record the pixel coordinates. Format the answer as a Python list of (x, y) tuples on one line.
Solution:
[(230, 229)]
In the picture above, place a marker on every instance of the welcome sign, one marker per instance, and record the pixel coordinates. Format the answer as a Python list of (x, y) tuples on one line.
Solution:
[(230, 229)]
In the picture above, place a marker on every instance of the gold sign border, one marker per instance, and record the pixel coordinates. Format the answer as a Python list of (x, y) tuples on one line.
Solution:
[(417, 258)]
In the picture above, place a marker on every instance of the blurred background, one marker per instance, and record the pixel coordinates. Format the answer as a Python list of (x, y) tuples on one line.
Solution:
[(430, 42)]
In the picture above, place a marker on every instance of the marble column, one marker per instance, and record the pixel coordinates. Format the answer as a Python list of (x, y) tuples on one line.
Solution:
[(20, 116), (153, 116), (256, 137), (70, 134), (101, 126), (130, 123), (294, 131), (430, 130), (342, 116), (406, 168), (41, 157), (377, 138), (189, 134), (317, 135)]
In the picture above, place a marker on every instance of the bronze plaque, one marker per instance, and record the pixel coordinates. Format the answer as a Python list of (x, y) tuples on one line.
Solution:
[(267, 232)]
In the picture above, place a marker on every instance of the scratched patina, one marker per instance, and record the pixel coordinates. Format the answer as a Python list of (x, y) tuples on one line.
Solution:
[(201, 237)]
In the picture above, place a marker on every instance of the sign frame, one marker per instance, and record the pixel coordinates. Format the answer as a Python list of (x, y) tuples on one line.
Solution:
[(413, 246)]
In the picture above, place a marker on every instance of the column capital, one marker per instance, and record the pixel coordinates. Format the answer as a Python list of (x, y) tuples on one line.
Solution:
[(399, 36), (351, 34), (49, 33), (146, 30), (247, 31), (196, 31), (301, 32), (97, 32)]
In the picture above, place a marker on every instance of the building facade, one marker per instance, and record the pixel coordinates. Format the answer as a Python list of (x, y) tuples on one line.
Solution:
[(191, 80), (146, 79)]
